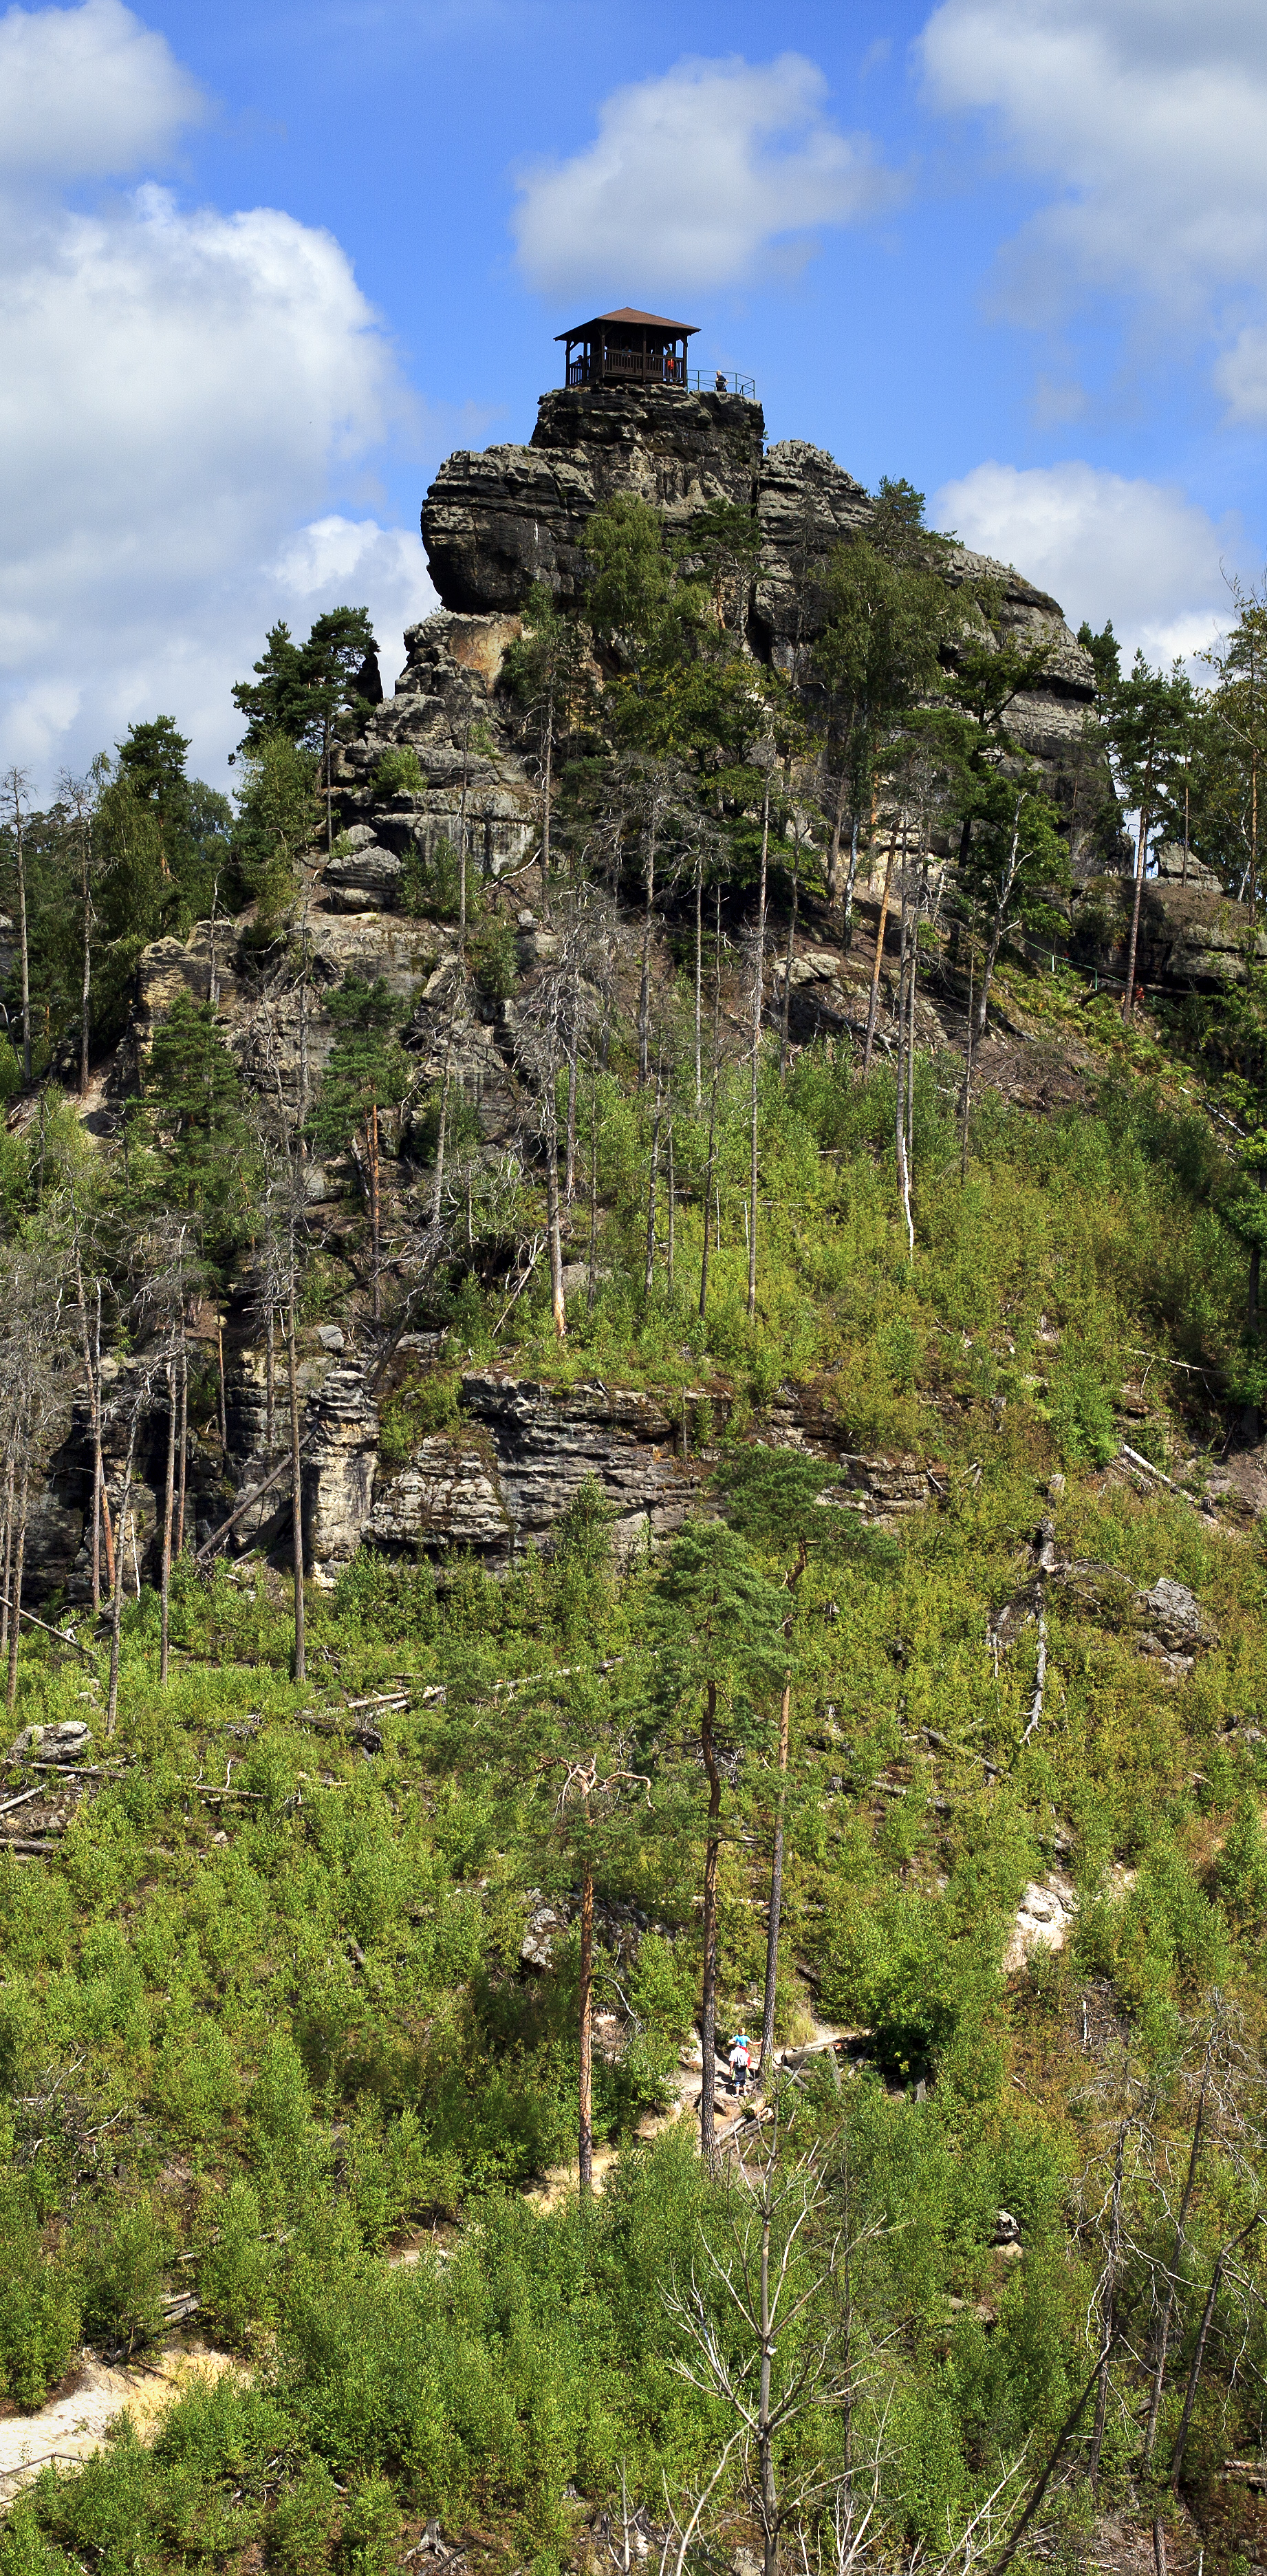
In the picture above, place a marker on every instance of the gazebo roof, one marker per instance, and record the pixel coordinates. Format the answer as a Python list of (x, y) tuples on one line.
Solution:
[(626, 313)]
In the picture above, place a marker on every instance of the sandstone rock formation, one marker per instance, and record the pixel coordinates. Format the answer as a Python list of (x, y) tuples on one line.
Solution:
[(446, 710), (495, 523), (1195, 936)]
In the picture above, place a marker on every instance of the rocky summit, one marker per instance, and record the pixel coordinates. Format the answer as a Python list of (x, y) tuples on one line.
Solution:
[(496, 521)]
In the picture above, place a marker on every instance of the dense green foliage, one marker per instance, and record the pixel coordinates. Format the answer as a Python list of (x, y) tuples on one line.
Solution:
[(253, 2065), (295, 2011)]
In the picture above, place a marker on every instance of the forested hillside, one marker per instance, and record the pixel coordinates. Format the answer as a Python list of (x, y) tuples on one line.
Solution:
[(632, 1381)]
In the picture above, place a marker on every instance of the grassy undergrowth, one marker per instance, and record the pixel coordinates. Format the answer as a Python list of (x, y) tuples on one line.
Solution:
[(265, 2017)]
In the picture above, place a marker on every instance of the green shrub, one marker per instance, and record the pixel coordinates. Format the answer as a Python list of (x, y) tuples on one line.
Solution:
[(1240, 1870), (39, 2306), (372, 2524), (430, 882), (389, 1599), (397, 774), (1080, 1409), (237, 2269), (123, 2250), (24, 2549), (896, 1963), (492, 959), (416, 1413), (304, 2523)]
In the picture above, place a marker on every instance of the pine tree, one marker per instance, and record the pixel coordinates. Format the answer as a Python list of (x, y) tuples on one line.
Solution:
[(276, 701), (367, 1072), (193, 1104), (718, 1623), (879, 654)]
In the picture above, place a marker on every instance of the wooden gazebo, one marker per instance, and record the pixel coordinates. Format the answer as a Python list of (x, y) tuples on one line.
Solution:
[(627, 348)]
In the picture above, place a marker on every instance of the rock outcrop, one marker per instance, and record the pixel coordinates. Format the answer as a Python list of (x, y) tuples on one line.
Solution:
[(447, 711), (495, 1483), (1196, 937), (496, 522)]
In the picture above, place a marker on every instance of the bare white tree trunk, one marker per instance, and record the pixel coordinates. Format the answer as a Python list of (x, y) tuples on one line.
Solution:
[(116, 1600), (169, 1499), (296, 1474), (758, 998)]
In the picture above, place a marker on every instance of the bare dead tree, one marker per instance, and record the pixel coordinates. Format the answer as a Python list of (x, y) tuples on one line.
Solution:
[(738, 2320), (80, 795), (770, 2334), (553, 1016), (652, 802), (712, 1107), (15, 787), (896, 837), (758, 1003), (37, 1360), (589, 1786), (136, 1401), (765, 2067), (284, 1234), (90, 1345), (172, 1273)]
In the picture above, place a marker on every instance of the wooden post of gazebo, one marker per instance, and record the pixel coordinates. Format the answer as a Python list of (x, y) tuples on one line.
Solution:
[(626, 348)]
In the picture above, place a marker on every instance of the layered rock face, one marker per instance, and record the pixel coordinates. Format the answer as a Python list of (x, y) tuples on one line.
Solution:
[(447, 712), (496, 1483), (496, 522), (1195, 936)]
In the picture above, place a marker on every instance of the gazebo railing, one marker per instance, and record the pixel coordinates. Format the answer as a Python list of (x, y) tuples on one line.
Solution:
[(636, 366)]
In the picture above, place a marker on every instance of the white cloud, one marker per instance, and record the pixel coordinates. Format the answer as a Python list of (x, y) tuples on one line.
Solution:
[(349, 562), (695, 180), (88, 93), (1149, 118), (1104, 545), (178, 392), (1241, 376)]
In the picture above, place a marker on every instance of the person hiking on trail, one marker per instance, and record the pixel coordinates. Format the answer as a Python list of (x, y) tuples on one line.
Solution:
[(740, 2060)]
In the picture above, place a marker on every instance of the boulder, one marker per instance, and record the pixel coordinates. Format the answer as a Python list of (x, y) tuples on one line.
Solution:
[(1173, 1616), (545, 1927), (1043, 1921), (1196, 937), (61, 1743), (363, 879)]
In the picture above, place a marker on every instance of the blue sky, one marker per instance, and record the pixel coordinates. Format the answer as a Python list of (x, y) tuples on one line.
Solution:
[(265, 265)]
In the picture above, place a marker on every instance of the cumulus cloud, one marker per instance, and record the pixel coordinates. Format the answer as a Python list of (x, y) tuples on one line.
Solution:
[(697, 179), (179, 391), (1105, 545), (1149, 119), (88, 93)]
